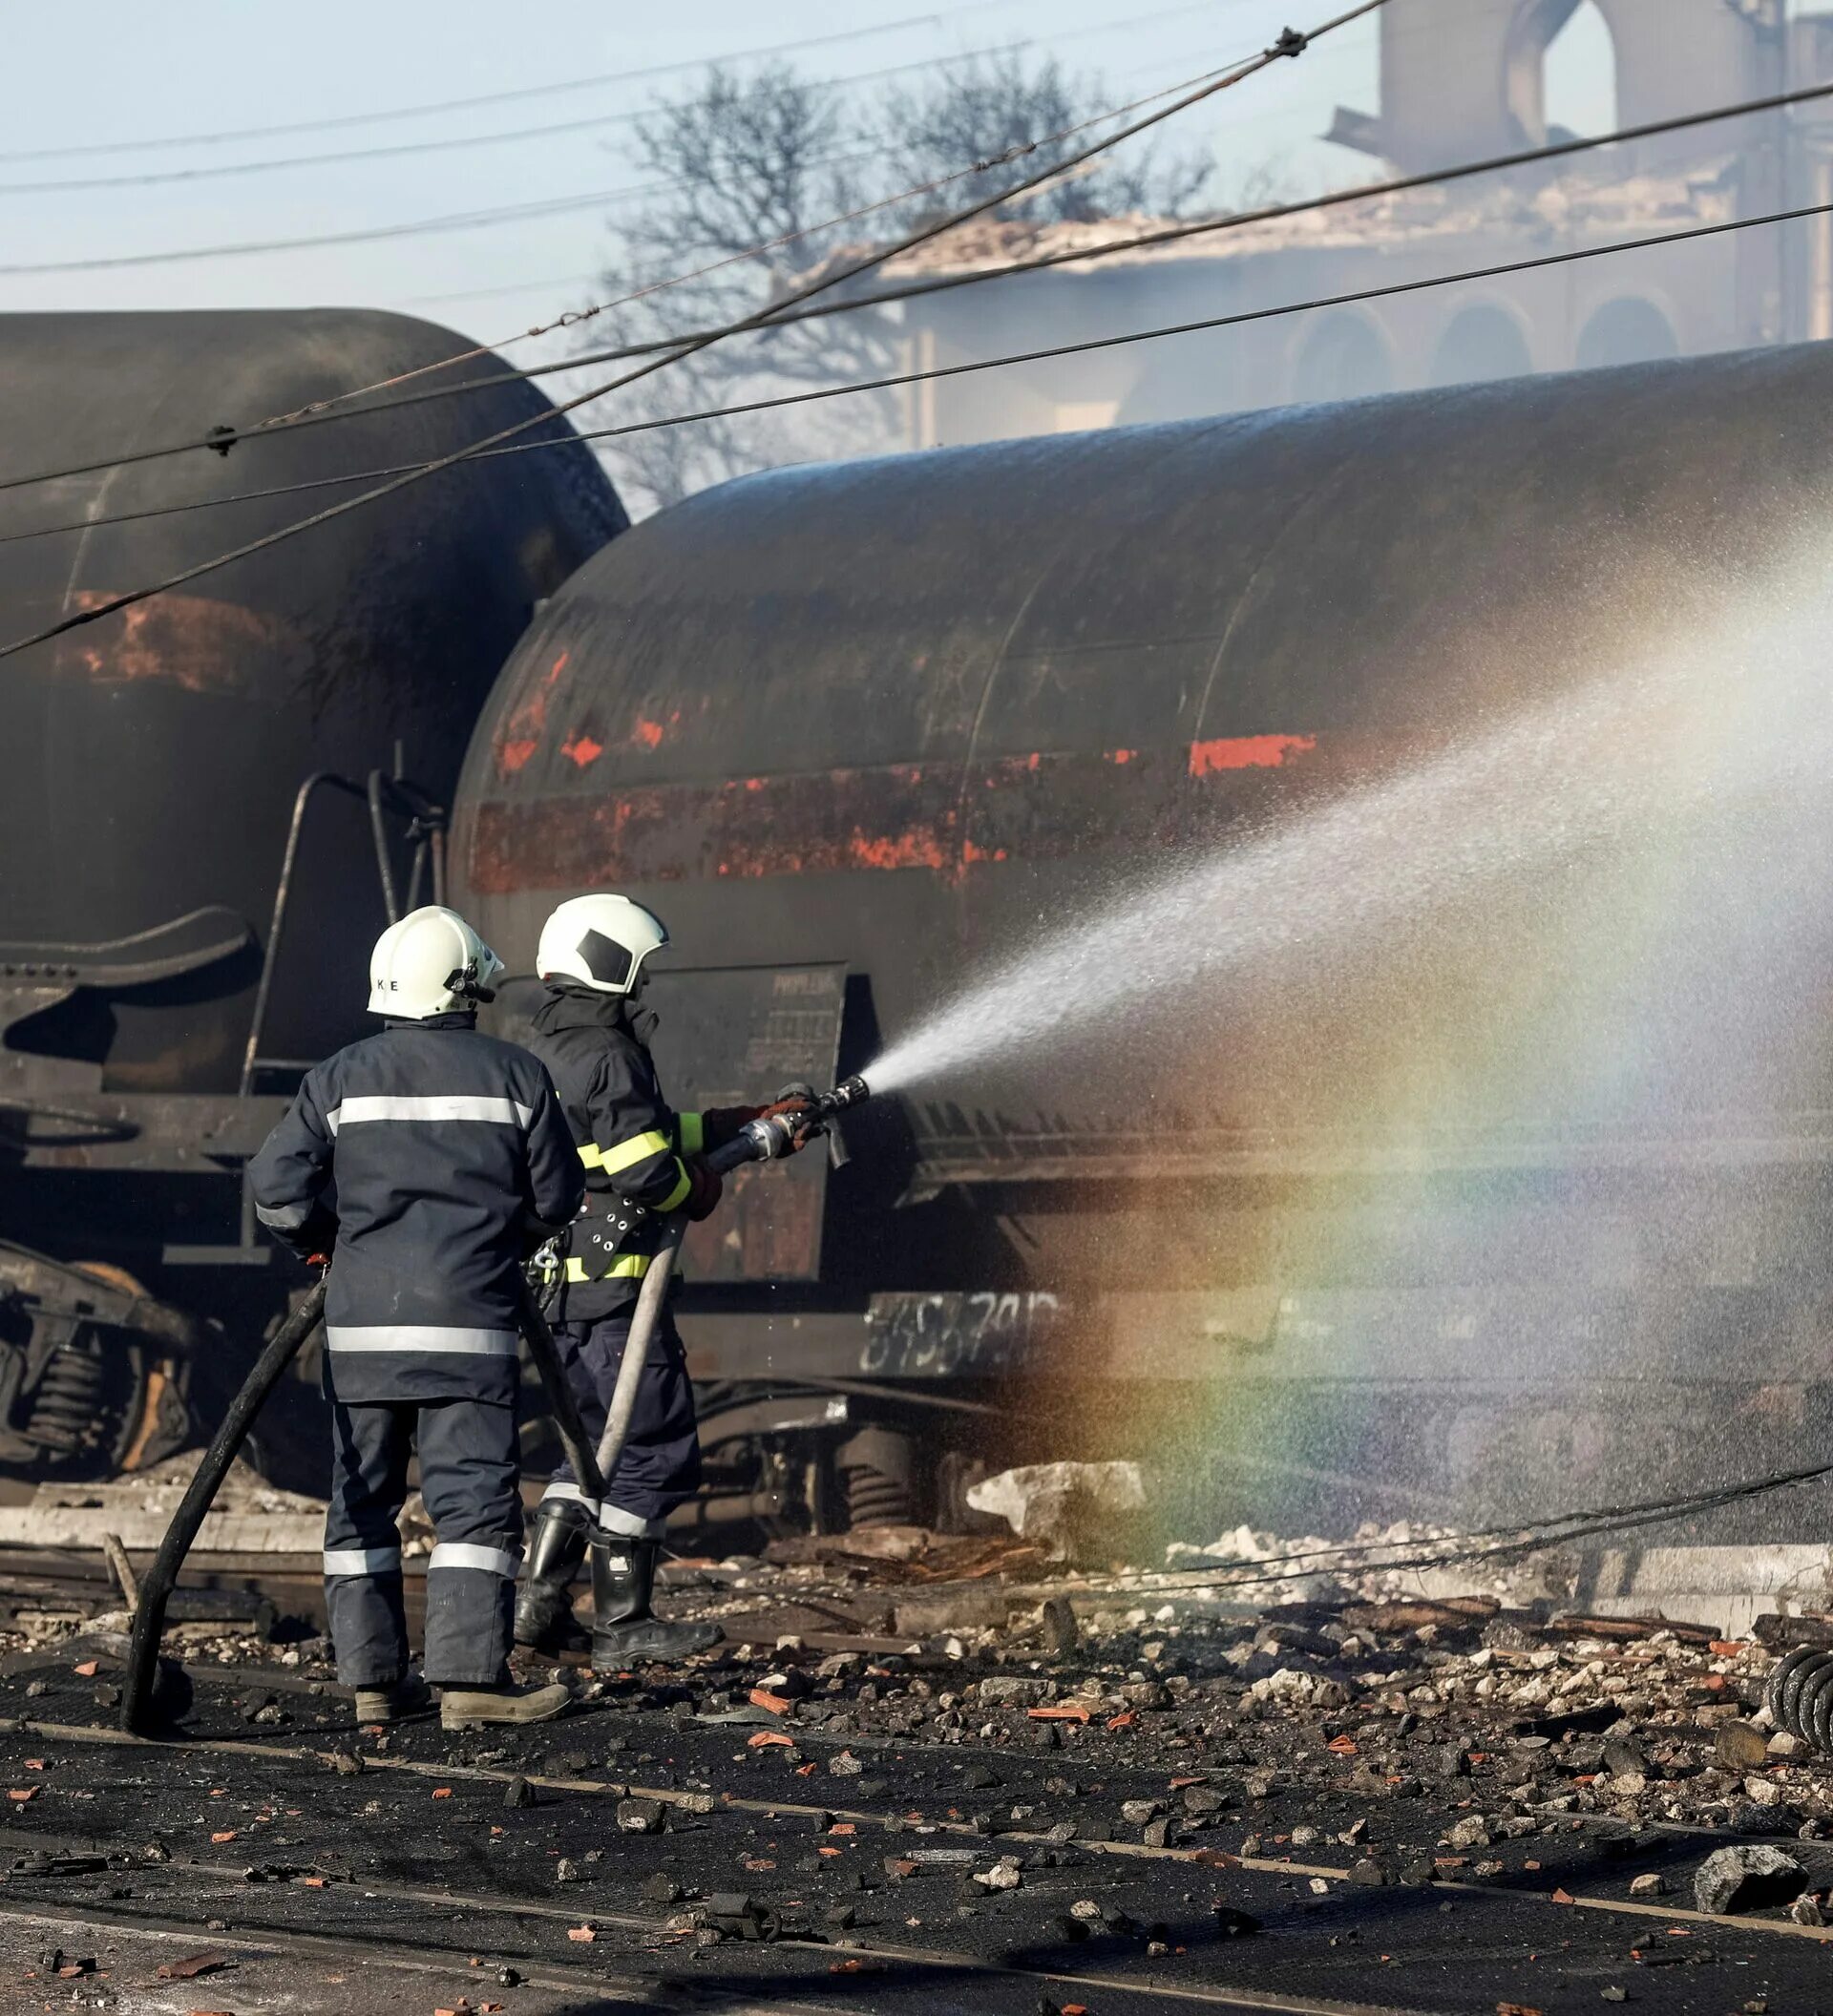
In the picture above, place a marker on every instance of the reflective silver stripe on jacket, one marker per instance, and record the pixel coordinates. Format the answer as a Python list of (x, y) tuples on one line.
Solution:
[(422, 1337), (461, 1554), (362, 1561), (438, 1105), (283, 1217)]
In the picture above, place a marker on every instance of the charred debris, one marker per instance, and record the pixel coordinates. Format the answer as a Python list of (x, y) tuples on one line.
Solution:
[(920, 1765)]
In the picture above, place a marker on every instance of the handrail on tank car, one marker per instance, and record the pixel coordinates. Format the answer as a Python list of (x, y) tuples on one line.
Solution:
[(382, 793)]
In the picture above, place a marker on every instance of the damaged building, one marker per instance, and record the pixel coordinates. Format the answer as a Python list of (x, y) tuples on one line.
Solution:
[(1457, 83)]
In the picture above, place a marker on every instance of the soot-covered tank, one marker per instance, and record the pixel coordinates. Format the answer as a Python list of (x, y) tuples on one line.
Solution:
[(153, 759), (153, 755), (1407, 823)]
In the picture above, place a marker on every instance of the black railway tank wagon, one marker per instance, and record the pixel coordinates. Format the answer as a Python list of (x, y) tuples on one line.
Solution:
[(158, 761), (860, 731)]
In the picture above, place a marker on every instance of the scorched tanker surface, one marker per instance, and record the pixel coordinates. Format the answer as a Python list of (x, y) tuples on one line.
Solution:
[(897, 721)]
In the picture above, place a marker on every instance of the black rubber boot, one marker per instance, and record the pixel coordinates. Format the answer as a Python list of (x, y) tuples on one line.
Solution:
[(624, 1626), (544, 1618)]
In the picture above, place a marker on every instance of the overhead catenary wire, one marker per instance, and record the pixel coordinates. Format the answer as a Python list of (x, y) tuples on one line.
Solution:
[(335, 406), (1290, 45), (548, 129), (457, 142), (572, 317), (218, 439), (520, 95), (1166, 234), (895, 380)]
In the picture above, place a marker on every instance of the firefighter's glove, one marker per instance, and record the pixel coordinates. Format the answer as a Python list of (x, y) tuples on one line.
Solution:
[(708, 1187), (721, 1126), (805, 1120)]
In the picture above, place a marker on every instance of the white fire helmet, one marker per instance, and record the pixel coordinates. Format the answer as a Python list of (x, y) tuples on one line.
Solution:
[(430, 963), (599, 942)]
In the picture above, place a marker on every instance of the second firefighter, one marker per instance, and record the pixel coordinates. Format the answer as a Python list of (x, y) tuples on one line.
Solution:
[(641, 1163)]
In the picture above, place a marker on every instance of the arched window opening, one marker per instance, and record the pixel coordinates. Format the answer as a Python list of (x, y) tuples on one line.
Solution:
[(1626, 331), (1479, 344), (1344, 357), (1561, 74)]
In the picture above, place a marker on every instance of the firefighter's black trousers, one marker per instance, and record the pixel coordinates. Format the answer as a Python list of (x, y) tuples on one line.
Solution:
[(468, 1480), (660, 1466)]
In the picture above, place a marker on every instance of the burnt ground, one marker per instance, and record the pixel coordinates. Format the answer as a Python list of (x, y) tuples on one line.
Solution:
[(1336, 1808)]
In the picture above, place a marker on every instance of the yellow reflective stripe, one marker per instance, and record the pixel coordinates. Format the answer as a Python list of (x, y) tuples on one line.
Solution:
[(628, 1267), (624, 1153), (678, 1194), (693, 1133), (590, 1156)]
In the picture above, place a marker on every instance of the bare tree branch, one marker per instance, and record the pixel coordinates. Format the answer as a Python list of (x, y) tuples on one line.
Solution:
[(750, 162)]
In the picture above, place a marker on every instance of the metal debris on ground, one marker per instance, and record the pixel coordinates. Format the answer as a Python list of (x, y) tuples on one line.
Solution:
[(1080, 1775)]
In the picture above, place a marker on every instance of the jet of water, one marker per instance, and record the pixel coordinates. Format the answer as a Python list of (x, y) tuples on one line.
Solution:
[(1699, 728)]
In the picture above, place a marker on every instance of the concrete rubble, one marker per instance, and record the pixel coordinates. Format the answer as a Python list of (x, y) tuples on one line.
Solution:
[(926, 1744)]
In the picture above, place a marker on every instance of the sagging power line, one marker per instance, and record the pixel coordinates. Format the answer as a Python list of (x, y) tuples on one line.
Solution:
[(898, 380), (322, 411), (219, 438), (1292, 44), (447, 144), (521, 94)]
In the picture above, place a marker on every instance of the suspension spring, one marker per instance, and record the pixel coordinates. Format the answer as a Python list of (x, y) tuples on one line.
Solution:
[(1800, 1696), (67, 1406), (874, 1499)]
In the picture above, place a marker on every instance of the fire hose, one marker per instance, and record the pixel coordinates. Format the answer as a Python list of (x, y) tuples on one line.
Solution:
[(762, 1139)]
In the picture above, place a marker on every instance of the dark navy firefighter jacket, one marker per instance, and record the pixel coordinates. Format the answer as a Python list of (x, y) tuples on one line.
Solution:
[(440, 1159), (631, 1140)]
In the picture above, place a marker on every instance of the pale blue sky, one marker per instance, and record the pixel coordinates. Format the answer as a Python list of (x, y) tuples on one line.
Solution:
[(111, 72)]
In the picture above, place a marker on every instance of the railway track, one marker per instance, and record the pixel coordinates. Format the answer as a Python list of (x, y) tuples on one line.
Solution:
[(418, 1956)]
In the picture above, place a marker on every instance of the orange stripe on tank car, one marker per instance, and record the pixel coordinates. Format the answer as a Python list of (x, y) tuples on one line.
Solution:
[(895, 816), (1246, 752)]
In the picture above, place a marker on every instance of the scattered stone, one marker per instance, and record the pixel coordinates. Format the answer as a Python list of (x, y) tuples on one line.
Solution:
[(641, 1816), (519, 1794), (1807, 1911), (1623, 1756), (660, 1889), (1069, 1507), (1008, 1690), (1740, 1746), (1004, 1875), (1746, 1879), (1651, 1883)]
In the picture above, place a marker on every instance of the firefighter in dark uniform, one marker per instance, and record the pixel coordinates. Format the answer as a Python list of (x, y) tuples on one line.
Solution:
[(641, 1163), (430, 1161)]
